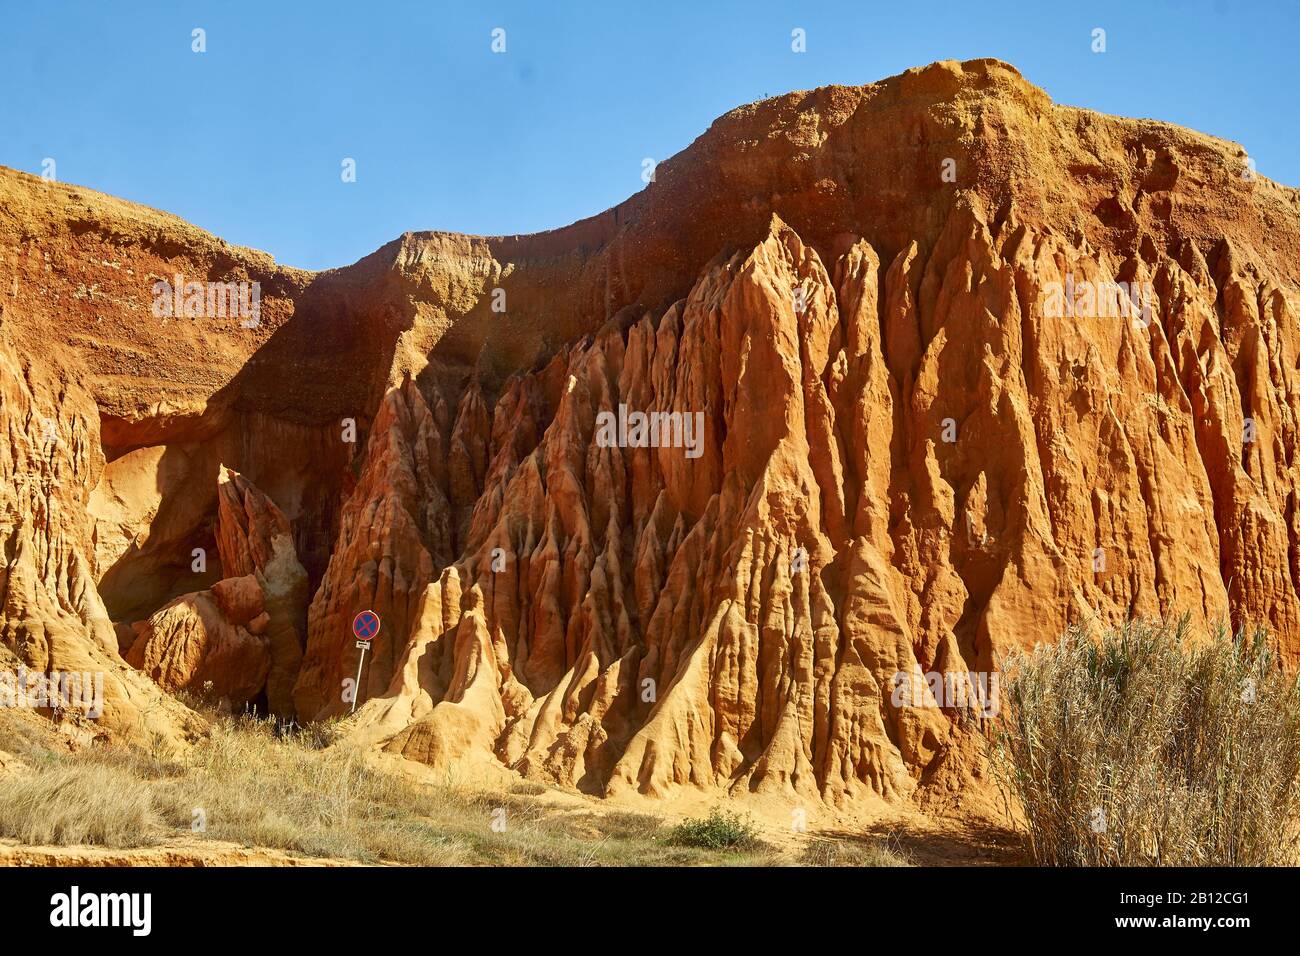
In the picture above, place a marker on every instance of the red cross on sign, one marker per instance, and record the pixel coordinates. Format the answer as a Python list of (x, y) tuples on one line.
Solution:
[(365, 625)]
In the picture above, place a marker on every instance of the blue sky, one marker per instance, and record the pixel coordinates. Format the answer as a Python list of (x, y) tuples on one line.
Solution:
[(247, 139)]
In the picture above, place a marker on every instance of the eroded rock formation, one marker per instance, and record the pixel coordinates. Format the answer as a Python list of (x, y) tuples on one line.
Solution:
[(209, 643), (240, 640), (933, 368), (254, 539)]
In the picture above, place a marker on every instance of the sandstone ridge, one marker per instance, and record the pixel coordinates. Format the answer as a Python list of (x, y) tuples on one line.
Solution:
[(894, 452)]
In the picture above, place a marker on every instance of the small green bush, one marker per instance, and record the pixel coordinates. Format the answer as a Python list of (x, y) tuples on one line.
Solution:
[(720, 830)]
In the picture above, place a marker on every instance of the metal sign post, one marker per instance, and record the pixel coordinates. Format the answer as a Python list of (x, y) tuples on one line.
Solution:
[(356, 690)]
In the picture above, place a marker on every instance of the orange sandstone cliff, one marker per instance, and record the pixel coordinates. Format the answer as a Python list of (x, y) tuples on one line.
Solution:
[(902, 455)]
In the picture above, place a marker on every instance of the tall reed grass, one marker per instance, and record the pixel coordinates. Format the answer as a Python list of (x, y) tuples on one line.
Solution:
[(1137, 747)]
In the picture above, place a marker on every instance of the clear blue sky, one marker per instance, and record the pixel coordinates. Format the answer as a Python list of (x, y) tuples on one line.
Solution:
[(246, 140)]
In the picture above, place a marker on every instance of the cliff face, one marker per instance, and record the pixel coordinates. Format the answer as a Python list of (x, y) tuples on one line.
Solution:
[(934, 366)]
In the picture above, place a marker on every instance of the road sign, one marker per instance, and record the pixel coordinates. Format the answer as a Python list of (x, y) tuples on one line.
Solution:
[(365, 625)]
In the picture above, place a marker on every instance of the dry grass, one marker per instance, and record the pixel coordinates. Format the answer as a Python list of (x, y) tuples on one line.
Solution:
[(74, 804), (845, 853), (1136, 749), (253, 783)]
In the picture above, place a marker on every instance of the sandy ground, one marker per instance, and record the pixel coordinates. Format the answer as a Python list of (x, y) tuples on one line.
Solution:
[(184, 852)]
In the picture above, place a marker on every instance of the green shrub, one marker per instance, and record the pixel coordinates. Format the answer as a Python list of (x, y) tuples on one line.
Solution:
[(720, 830)]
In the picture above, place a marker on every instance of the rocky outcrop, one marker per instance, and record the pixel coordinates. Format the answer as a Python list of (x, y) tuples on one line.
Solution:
[(865, 502), (212, 643), (869, 385), (393, 533), (239, 641), (254, 539), (52, 619)]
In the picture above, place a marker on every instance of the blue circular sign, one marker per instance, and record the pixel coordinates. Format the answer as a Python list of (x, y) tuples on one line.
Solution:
[(365, 625)]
